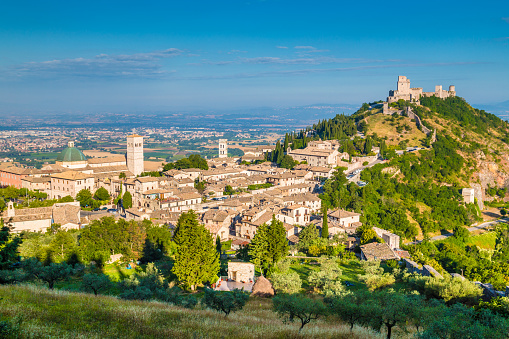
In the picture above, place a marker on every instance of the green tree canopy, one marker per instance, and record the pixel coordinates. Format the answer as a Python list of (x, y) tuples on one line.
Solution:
[(84, 197), (225, 301), (127, 200), (269, 245), (197, 260), (101, 194)]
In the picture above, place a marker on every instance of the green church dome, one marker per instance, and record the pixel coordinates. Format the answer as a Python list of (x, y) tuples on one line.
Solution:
[(71, 154)]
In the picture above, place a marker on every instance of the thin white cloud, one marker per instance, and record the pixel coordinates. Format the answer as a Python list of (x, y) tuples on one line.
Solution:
[(236, 51), (322, 70), (304, 61), (139, 65), (282, 47), (304, 47), (506, 19)]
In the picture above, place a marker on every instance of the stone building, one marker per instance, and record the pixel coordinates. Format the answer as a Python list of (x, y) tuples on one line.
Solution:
[(135, 154), (405, 92), (70, 183), (41, 218), (390, 239), (242, 272), (468, 195), (223, 148)]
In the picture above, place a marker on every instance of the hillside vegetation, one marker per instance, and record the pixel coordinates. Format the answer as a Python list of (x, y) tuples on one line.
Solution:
[(395, 129), (52, 313)]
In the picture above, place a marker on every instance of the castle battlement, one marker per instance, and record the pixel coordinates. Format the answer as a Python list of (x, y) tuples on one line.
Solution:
[(405, 92)]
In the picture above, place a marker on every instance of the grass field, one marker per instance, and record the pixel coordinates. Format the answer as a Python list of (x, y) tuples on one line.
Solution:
[(59, 314), (485, 240)]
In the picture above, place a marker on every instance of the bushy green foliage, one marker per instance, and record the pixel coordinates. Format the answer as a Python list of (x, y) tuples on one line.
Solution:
[(143, 285), (327, 279), (127, 200), (350, 307), (101, 194), (9, 244), (459, 321), (96, 283), (11, 329), (458, 109), (259, 186), (49, 274), (197, 260), (85, 198), (284, 280), (193, 161), (269, 246), (104, 237), (225, 301), (453, 289), (374, 276), (294, 306)]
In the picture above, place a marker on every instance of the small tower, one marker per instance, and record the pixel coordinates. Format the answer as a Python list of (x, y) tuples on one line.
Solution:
[(223, 148), (135, 154), (403, 85), (11, 212)]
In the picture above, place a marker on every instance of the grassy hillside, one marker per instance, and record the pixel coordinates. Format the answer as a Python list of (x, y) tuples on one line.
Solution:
[(395, 130), (59, 314)]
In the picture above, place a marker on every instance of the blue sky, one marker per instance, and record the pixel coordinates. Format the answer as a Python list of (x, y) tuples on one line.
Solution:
[(128, 55)]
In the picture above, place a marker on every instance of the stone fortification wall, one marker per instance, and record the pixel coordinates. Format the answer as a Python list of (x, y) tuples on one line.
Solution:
[(369, 159), (418, 121), (426, 270), (429, 271)]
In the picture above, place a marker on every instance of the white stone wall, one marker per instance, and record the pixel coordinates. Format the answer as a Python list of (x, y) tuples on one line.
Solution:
[(241, 271), (135, 154)]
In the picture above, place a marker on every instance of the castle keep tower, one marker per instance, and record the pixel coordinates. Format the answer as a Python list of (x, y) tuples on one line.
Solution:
[(223, 148), (135, 154)]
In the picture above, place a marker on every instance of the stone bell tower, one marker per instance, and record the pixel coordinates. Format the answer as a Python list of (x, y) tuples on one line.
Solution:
[(135, 154), (223, 148)]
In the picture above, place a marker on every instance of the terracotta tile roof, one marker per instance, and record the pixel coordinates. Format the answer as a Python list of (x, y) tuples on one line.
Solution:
[(377, 251), (188, 196), (114, 158), (66, 214), (146, 179), (71, 175), (342, 213)]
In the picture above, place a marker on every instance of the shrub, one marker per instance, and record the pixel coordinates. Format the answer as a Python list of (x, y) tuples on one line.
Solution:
[(291, 307), (287, 282), (96, 283), (225, 302)]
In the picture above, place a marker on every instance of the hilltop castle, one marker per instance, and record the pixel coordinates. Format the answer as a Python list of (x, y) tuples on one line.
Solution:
[(414, 94)]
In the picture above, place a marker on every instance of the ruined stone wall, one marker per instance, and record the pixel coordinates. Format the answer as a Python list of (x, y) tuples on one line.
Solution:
[(429, 271)]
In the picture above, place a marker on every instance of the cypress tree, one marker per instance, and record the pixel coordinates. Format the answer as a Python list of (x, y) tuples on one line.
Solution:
[(127, 200), (258, 248), (325, 224), (197, 260), (269, 245), (278, 244)]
